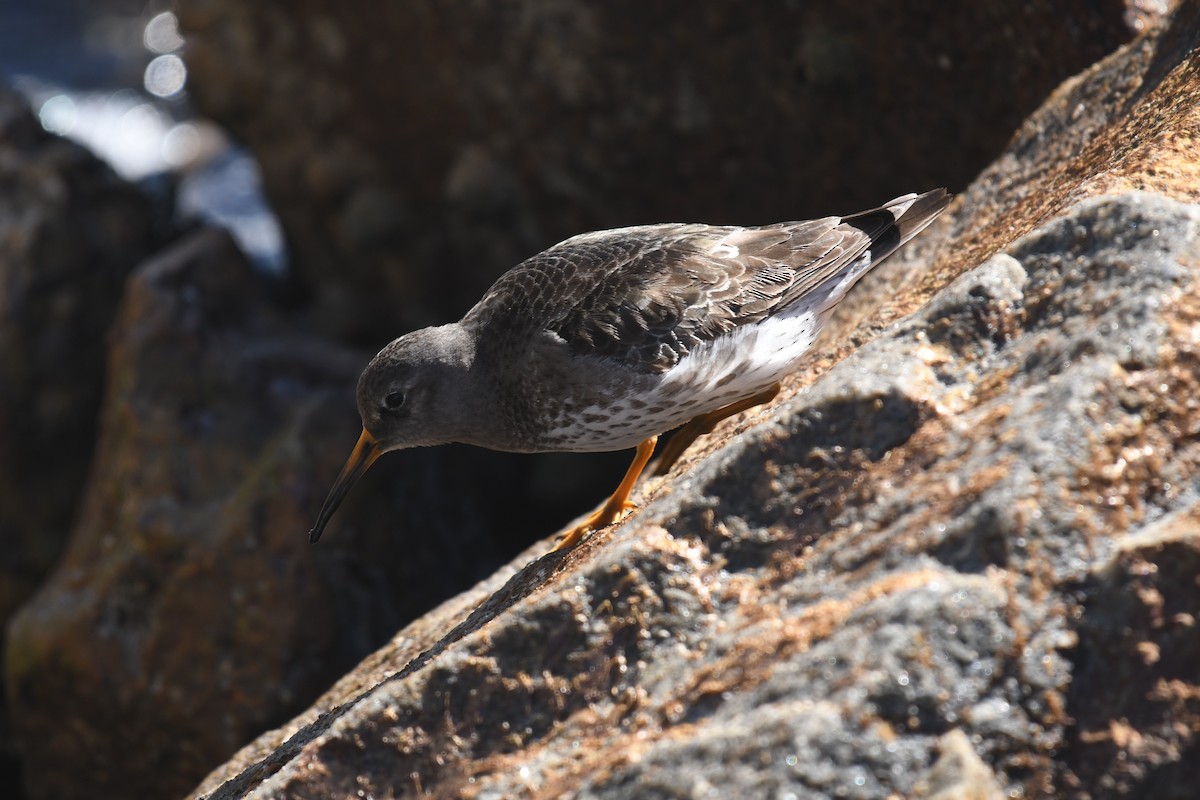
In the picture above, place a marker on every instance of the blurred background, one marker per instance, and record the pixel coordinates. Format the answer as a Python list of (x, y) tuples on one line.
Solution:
[(111, 76), (212, 213)]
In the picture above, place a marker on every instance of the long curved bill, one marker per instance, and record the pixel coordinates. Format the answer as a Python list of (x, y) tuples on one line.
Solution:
[(364, 455)]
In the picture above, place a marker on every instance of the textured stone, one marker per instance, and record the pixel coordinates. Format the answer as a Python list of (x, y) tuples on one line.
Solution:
[(416, 150), (912, 576), (959, 773), (70, 232), (816, 605), (1138, 636), (981, 520), (188, 612)]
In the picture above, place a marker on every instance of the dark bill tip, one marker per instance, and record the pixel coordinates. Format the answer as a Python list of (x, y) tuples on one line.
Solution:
[(363, 456)]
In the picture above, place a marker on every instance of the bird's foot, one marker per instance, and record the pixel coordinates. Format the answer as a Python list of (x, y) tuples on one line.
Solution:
[(615, 507), (606, 515)]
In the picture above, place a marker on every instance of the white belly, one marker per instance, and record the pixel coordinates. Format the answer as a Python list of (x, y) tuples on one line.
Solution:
[(714, 375)]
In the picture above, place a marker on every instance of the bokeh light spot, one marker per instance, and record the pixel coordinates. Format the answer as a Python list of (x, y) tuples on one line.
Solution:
[(165, 76)]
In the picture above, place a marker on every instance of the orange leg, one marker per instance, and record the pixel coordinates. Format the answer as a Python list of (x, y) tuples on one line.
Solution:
[(703, 424), (616, 505)]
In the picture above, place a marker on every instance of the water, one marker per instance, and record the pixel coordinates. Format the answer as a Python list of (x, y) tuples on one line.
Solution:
[(110, 76)]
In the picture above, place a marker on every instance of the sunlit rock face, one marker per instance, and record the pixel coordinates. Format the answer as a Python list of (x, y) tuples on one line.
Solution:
[(957, 558)]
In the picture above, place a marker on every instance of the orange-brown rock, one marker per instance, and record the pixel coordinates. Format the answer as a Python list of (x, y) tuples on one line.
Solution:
[(70, 232), (952, 559), (959, 560), (188, 612)]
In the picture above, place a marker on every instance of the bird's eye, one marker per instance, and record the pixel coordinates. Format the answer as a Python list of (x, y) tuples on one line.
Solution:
[(393, 401)]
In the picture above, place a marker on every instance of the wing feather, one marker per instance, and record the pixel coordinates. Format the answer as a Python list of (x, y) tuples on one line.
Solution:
[(646, 296)]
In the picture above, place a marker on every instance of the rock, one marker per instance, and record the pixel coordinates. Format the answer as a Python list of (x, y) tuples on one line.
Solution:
[(1138, 633), (188, 612), (70, 232), (813, 607), (982, 521), (415, 152), (959, 773)]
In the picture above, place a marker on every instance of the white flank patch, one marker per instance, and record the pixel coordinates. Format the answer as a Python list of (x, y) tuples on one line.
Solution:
[(740, 364), (756, 356)]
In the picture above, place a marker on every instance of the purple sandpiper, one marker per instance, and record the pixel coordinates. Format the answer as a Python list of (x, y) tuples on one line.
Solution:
[(608, 339)]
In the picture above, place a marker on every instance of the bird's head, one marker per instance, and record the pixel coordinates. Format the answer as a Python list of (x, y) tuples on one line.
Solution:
[(415, 392)]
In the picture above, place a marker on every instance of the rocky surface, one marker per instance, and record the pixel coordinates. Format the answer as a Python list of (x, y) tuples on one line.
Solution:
[(415, 151), (944, 533), (69, 234), (959, 560), (957, 563), (188, 612)]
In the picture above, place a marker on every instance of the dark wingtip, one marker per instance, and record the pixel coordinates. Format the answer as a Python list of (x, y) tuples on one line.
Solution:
[(923, 210), (314, 536)]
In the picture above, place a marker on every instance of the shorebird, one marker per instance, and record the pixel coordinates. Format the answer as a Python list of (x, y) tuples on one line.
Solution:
[(609, 339)]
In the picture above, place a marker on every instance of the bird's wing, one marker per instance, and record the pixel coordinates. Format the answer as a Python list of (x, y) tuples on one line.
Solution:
[(646, 296)]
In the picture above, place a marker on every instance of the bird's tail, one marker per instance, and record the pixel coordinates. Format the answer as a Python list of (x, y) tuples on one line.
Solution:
[(887, 228), (894, 223)]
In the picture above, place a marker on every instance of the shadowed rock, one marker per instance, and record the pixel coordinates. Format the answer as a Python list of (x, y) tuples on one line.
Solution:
[(908, 576), (416, 150), (70, 232), (188, 612)]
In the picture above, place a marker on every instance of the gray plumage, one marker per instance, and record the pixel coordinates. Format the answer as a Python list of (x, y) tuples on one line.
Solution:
[(646, 296), (608, 339)]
